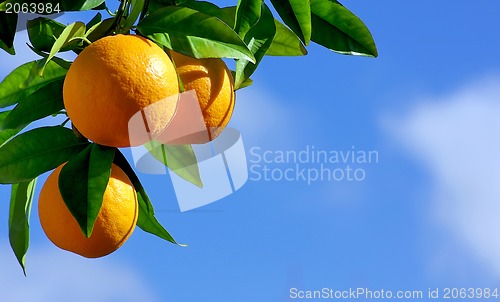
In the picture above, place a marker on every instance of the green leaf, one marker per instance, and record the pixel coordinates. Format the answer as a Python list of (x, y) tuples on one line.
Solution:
[(37, 151), (68, 5), (94, 21), (25, 80), (297, 15), (259, 38), (248, 82), (8, 24), (179, 158), (155, 5), (247, 15), (193, 33), (43, 33), (44, 102), (82, 183), (7, 134), (99, 30), (285, 42), (147, 220), (67, 38), (21, 199), (212, 10), (137, 7), (61, 62), (336, 28)]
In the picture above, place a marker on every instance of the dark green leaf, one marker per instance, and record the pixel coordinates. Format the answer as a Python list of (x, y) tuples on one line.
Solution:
[(137, 7), (25, 80), (82, 183), (37, 151), (213, 10), (297, 15), (9, 50), (61, 62), (194, 33), (44, 102), (67, 5), (179, 158), (285, 42), (155, 5), (247, 15), (147, 220), (8, 24), (68, 38), (336, 28), (100, 29), (259, 38), (43, 33), (94, 21), (229, 15), (21, 199), (7, 134), (248, 82)]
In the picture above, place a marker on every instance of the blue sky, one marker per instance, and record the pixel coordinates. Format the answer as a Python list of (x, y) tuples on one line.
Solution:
[(424, 217)]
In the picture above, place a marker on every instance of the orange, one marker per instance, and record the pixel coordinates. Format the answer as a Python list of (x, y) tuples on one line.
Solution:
[(214, 86), (113, 226), (115, 78)]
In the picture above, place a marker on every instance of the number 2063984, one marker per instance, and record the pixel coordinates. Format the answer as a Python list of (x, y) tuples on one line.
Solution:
[(32, 8)]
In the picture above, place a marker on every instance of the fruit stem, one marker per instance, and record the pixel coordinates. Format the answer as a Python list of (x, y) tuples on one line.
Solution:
[(118, 17)]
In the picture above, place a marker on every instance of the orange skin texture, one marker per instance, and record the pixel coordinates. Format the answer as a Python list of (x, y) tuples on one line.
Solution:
[(214, 86), (114, 224), (114, 78)]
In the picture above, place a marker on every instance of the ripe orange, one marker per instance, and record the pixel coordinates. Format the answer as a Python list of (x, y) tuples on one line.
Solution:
[(214, 86), (113, 226), (115, 78)]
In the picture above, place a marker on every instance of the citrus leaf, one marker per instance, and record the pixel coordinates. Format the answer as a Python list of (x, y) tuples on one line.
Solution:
[(61, 5), (338, 29), (44, 102), (61, 62), (82, 183), (74, 30), (247, 15), (21, 199), (259, 38), (248, 82), (42, 33), (194, 33), (7, 134), (178, 158), (285, 42), (147, 220), (9, 50), (99, 30), (297, 15), (212, 10), (37, 151), (94, 21), (8, 24), (25, 80), (137, 7)]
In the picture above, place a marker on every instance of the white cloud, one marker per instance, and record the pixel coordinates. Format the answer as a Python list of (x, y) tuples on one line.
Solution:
[(55, 275), (457, 136)]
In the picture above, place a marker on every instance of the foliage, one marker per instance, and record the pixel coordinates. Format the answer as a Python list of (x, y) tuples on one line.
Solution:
[(246, 33)]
